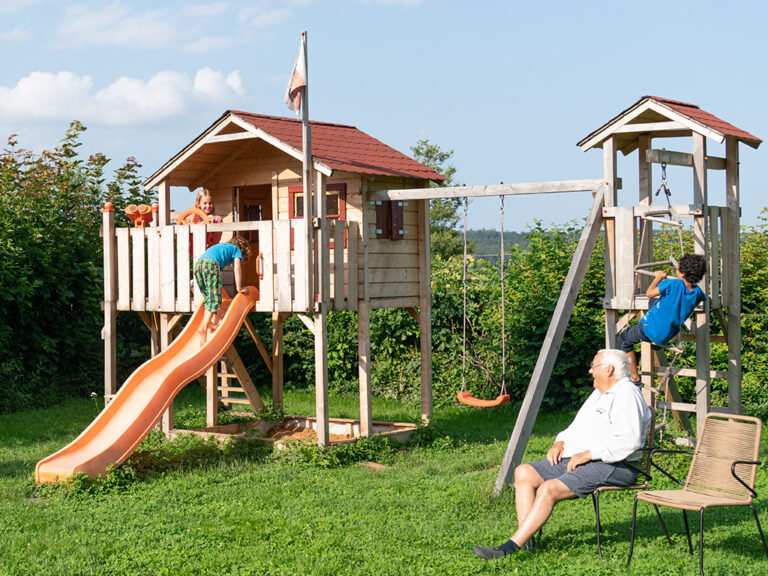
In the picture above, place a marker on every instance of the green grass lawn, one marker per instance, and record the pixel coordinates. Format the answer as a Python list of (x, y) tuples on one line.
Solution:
[(242, 513)]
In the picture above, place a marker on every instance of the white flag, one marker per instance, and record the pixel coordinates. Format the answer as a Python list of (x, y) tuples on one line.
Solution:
[(297, 82)]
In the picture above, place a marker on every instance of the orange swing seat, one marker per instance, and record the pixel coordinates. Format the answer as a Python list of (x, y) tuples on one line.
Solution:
[(467, 398)]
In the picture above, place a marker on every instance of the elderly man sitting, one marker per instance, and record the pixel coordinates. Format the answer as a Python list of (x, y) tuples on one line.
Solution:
[(597, 449)]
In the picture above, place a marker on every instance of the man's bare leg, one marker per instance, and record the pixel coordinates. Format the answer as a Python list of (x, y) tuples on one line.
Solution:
[(204, 326), (548, 494), (527, 481)]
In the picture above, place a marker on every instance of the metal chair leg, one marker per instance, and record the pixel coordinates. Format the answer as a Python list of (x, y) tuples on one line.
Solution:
[(663, 524), (701, 542), (632, 535), (687, 532), (598, 526), (759, 529)]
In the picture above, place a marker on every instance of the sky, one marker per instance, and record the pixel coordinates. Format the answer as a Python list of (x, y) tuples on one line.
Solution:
[(509, 86)]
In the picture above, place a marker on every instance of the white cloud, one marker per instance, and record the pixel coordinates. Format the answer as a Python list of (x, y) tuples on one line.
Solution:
[(16, 5), (44, 96), (115, 24), (14, 35), (213, 85), (209, 44)]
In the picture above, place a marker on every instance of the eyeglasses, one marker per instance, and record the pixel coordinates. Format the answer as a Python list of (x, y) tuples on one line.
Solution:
[(593, 365)]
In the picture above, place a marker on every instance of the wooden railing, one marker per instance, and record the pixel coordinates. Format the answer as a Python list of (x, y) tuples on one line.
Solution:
[(152, 266)]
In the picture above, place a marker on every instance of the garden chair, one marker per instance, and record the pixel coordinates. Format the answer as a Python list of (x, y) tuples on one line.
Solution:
[(722, 473), (643, 479)]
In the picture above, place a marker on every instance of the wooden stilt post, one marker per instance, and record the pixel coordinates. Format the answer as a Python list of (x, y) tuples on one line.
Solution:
[(700, 246), (321, 313), (109, 332), (549, 349), (364, 370), (278, 378), (166, 422), (609, 174), (212, 395), (733, 273), (425, 311)]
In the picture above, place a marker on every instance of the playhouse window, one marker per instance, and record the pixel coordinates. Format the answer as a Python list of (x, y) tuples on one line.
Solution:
[(335, 205), (389, 219)]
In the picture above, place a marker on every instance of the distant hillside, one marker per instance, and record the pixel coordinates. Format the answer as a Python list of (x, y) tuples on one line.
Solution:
[(487, 243)]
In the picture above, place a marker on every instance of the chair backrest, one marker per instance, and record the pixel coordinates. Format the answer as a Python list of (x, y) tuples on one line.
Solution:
[(644, 464), (724, 438)]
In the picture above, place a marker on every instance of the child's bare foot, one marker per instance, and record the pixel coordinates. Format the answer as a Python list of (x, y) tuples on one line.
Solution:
[(203, 336), (213, 325)]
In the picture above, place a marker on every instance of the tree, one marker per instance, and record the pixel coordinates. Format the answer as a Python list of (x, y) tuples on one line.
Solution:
[(444, 217)]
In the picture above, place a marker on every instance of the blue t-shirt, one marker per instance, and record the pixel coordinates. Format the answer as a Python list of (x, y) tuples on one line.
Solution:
[(223, 254), (674, 305)]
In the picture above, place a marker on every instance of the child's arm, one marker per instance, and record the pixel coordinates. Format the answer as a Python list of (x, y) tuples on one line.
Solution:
[(653, 289), (239, 277)]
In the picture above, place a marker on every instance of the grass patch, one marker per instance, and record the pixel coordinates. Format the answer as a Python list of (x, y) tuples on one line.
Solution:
[(194, 507)]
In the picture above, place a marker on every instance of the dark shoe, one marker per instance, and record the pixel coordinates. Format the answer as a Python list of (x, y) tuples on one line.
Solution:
[(489, 552)]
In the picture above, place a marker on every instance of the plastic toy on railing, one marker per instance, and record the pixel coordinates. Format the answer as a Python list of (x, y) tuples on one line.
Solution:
[(193, 216), (140, 215)]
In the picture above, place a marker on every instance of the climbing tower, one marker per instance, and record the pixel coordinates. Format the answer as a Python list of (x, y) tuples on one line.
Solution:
[(629, 257)]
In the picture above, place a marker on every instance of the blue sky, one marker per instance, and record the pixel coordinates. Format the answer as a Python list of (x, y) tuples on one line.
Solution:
[(510, 86)]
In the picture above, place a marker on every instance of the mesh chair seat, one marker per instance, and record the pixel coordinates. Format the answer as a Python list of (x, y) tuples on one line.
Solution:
[(690, 500)]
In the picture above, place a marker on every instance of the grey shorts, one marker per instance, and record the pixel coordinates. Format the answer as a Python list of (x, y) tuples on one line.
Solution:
[(587, 477)]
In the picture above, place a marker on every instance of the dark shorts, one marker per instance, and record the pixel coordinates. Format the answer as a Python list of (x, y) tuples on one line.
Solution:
[(630, 337), (208, 278), (586, 478)]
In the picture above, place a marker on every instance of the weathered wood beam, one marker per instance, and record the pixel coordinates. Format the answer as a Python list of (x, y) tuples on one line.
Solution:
[(682, 159), (229, 137), (552, 187), (649, 127)]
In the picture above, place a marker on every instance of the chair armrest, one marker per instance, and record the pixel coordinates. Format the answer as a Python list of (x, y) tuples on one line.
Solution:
[(733, 473), (668, 451)]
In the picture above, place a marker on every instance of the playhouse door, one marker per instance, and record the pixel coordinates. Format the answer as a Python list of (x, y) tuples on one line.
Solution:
[(254, 203)]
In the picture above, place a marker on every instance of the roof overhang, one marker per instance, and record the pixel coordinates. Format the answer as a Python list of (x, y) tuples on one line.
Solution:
[(228, 128), (650, 116)]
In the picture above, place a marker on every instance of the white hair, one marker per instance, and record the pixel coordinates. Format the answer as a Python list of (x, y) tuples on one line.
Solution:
[(618, 360)]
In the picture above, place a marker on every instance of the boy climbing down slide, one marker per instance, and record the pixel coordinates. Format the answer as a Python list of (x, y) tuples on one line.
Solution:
[(208, 277), (677, 298)]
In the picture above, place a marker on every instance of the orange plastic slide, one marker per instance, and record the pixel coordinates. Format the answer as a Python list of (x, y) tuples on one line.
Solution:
[(141, 401)]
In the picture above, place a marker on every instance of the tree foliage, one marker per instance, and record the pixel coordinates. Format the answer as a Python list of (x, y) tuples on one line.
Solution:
[(51, 270)]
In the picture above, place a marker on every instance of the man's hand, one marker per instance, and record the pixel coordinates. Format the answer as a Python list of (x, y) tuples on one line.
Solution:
[(555, 454), (579, 459)]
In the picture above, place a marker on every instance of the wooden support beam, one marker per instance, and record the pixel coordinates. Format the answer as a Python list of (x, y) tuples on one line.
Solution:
[(323, 267), (230, 137), (609, 175), (364, 366), (259, 344), (109, 331), (551, 345), (212, 396), (307, 321), (670, 125), (167, 419), (732, 270), (278, 376), (425, 312), (683, 159), (245, 379), (553, 187)]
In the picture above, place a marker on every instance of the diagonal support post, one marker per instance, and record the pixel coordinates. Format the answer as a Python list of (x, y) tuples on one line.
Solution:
[(551, 346)]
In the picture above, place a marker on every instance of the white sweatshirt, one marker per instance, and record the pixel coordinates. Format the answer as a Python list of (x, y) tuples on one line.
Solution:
[(612, 424)]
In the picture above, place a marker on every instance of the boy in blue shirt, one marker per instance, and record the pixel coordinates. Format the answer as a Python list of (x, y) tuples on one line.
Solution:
[(208, 277), (677, 298)]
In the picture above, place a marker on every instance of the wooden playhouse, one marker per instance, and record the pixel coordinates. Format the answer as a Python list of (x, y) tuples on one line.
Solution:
[(346, 253)]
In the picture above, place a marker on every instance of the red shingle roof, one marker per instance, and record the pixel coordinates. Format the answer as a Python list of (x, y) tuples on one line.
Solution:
[(709, 120), (342, 147)]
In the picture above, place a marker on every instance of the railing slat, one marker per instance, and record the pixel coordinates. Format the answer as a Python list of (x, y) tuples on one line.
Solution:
[(123, 268), (301, 298), (183, 294), (153, 270), (139, 283), (283, 258), (167, 269), (352, 265), (266, 301)]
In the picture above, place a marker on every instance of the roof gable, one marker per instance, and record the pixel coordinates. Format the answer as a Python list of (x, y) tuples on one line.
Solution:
[(342, 147), (664, 117)]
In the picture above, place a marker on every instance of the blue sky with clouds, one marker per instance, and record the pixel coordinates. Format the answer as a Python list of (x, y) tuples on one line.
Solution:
[(510, 86)]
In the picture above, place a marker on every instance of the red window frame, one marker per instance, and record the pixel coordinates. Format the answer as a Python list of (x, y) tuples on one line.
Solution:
[(298, 191)]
